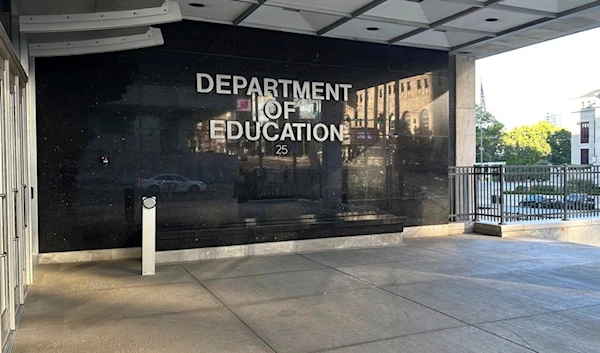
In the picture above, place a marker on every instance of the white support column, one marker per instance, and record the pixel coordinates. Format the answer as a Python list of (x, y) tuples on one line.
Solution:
[(148, 235), (462, 110), (462, 134)]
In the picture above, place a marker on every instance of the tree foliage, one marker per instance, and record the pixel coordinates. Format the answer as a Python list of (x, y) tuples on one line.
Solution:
[(493, 132), (532, 144), (560, 144)]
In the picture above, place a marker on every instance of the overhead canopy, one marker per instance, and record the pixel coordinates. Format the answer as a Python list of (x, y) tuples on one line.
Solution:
[(479, 27), (70, 27)]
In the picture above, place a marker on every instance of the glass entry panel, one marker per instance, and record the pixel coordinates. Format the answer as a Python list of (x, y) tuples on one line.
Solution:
[(4, 237), (14, 252), (15, 186)]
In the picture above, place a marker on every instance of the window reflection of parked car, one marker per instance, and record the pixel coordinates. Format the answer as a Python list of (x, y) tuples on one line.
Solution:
[(537, 201), (579, 202), (171, 182)]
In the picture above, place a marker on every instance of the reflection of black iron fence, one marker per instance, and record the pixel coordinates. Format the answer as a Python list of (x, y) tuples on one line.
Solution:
[(523, 193), (282, 184)]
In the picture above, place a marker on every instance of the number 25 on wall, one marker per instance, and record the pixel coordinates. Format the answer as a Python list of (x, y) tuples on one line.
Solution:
[(281, 150)]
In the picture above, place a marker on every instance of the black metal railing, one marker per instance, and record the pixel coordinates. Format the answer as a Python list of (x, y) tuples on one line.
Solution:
[(506, 194)]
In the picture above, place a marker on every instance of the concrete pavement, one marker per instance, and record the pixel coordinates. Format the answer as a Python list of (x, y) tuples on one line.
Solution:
[(465, 293)]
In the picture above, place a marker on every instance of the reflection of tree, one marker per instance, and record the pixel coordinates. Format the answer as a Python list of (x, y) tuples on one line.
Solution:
[(423, 146), (416, 148)]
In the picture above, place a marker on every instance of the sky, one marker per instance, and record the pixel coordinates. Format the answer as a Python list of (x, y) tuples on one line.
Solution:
[(522, 85)]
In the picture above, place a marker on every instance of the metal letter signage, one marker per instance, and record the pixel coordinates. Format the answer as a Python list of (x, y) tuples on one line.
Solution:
[(273, 109)]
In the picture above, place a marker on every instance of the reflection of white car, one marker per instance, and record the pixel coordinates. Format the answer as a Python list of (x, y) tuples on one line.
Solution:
[(172, 183)]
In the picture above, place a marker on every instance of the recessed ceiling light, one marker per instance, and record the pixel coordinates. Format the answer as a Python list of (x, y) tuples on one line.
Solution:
[(372, 28), (491, 19), (195, 4)]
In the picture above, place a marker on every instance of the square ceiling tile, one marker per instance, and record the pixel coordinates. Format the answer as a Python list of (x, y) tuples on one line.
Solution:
[(359, 29), (217, 10), (343, 6), (555, 6), (424, 12), (482, 20), (272, 17), (440, 39)]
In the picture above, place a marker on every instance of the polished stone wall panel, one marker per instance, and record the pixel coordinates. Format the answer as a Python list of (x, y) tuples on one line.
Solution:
[(112, 126)]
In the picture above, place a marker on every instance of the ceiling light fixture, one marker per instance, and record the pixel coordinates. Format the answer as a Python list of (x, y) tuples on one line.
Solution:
[(372, 28), (491, 19), (195, 4)]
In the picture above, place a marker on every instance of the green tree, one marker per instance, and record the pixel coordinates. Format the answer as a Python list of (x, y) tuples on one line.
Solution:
[(493, 133), (529, 144), (560, 145)]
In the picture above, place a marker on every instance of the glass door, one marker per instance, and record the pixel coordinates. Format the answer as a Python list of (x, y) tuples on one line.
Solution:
[(23, 195), (16, 191), (4, 237), (13, 210)]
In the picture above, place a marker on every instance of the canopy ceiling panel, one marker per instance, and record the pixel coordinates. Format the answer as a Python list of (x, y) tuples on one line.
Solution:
[(72, 27), (457, 26)]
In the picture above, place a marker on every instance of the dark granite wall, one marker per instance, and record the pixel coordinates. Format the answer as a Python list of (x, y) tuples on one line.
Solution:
[(115, 126)]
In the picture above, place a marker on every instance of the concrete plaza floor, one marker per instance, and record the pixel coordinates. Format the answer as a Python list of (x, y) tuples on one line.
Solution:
[(466, 293)]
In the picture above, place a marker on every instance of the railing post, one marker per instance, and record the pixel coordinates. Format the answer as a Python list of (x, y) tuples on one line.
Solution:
[(502, 221), (148, 235), (475, 195), (565, 215), (452, 193)]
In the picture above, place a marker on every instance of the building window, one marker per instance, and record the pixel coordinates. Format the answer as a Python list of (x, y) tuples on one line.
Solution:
[(392, 124), (585, 156), (585, 132), (408, 86), (389, 89), (425, 121), (402, 87), (419, 84), (426, 83), (380, 93)]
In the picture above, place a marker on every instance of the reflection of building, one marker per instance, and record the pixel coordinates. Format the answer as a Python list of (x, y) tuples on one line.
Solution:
[(416, 99), (585, 146)]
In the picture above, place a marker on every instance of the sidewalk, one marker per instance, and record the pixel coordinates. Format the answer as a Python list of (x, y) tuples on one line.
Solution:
[(433, 295)]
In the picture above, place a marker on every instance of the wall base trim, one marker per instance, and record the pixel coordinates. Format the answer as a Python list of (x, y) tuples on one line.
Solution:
[(283, 247), (272, 248), (89, 255), (585, 231)]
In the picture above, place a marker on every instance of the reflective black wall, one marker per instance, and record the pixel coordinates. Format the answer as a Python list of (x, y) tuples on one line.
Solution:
[(114, 127)]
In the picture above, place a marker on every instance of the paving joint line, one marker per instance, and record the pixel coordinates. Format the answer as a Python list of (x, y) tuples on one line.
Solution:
[(435, 310), (232, 312)]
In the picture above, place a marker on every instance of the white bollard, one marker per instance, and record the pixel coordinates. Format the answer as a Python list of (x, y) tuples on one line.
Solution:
[(148, 235)]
